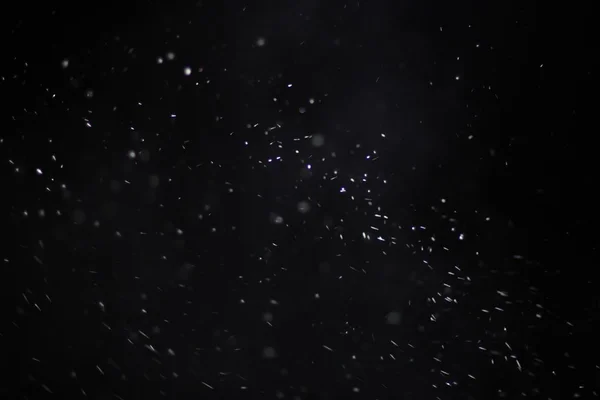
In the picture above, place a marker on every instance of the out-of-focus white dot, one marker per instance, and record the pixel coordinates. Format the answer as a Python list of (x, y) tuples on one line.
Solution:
[(302, 110), (311, 101), (304, 207), (89, 93), (267, 317), (187, 71), (261, 41), (39, 171), (159, 60), (457, 77), (64, 63), (318, 140), (276, 219), (170, 56), (269, 352), (131, 154), (394, 318)]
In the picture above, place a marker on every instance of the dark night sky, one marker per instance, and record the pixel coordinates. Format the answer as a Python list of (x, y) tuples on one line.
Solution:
[(298, 200)]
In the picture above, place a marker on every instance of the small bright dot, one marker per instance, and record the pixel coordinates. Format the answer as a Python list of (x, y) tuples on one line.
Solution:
[(64, 63), (170, 56), (159, 60), (311, 101), (131, 154), (39, 171), (457, 77), (261, 41), (187, 71)]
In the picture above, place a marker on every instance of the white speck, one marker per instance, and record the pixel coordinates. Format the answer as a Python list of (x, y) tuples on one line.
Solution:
[(302, 110), (39, 171), (207, 385), (64, 63), (461, 236), (261, 41), (131, 154), (170, 352), (159, 60), (457, 77), (289, 85), (327, 348), (187, 71), (170, 56), (311, 101)]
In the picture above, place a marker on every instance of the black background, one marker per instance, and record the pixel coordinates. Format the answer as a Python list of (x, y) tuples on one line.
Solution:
[(509, 146)]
